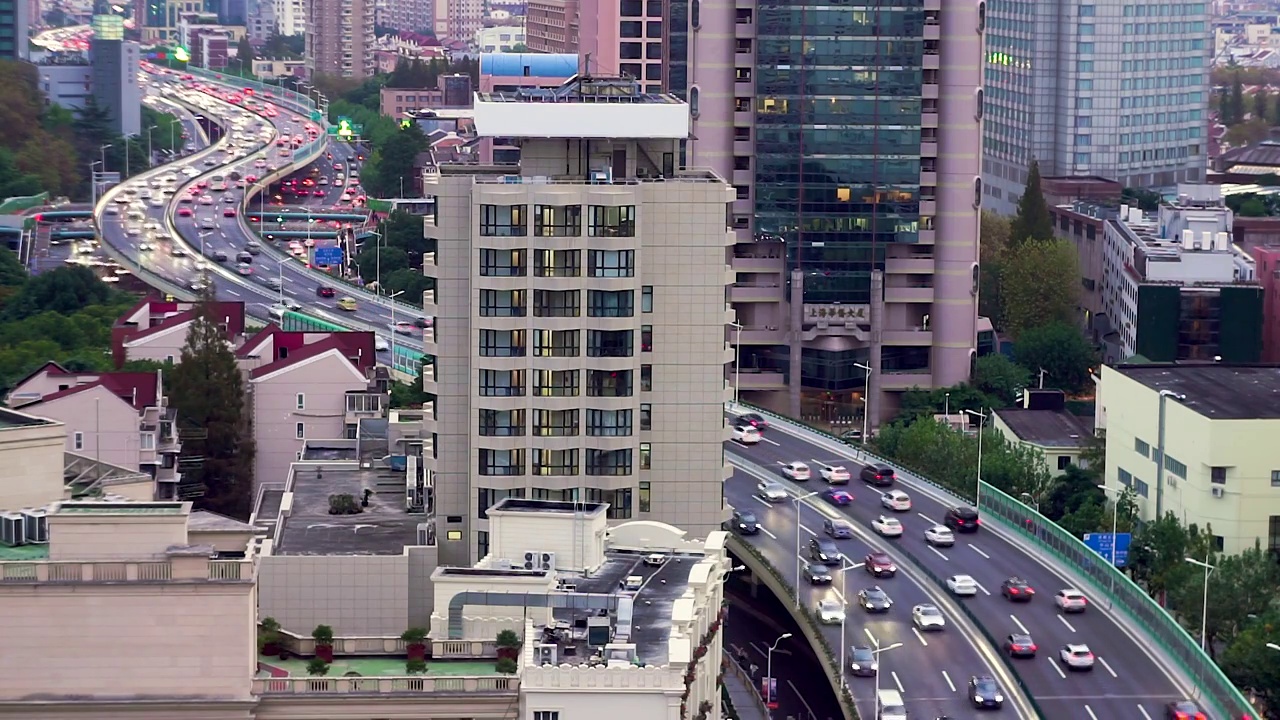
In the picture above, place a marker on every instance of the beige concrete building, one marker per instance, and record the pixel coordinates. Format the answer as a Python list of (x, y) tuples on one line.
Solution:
[(339, 38), (551, 26), (1218, 426), (580, 317), (1042, 423)]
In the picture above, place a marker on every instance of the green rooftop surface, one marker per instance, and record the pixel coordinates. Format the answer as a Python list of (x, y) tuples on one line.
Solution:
[(95, 508), (381, 666), (24, 553)]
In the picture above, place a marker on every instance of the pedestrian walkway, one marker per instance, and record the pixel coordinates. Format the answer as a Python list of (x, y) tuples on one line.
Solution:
[(746, 700)]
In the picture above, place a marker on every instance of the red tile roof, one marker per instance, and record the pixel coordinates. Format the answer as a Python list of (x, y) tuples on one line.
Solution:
[(358, 345), (136, 388)]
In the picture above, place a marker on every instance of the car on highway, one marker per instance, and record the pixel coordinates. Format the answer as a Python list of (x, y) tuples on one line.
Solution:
[(962, 518), (380, 343), (746, 435), (1015, 589), (927, 616), (207, 224), (830, 611), (348, 304), (862, 662), (178, 251), (186, 199), (185, 212), (817, 574), (272, 282), (244, 269), (962, 585), (1076, 656), (886, 526), (755, 420), (230, 199), (877, 474), (879, 564), (839, 498), (1020, 645), (874, 600), (156, 202), (206, 199), (744, 522), (404, 328), (325, 291), (939, 536), (144, 247), (1183, 710), (198, 285), (423, 322), (834, 474), (253, 247), (111, 210), (1070, 600), (220, 255), (772, 492), (229, 212), (837, 529), (824, 551), (796, 470), (985, 692), (895, 500)]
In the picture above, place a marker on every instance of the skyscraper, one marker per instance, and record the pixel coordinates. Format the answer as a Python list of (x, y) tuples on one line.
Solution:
[(340, 38), (1110, 88), (14, 28), (115, 67)]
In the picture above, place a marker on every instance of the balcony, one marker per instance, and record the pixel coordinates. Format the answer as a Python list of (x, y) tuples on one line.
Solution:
[(429, 341), (914, 336), (929, 91), (909, 265), (759, 262), (428, 260), (412, 685), (932, 32), (429, 302), (906, 379), (927, 237), (908, 295), (927, 149), (929, 119), (756, 379), (932, 62), (746, 147), (429, 379), (759, 336), (743, 118), (187, 569), (929, 206), (928, 178), (744, 59), (755, 292)]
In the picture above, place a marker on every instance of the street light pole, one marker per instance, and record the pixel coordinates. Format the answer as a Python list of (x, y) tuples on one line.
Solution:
[(377, 258), (391, 299), (866, 399), (1164, 395), (797, 500), (768, 664), (151, 157), (1204, 612), (203, 235), (876, 650), (982, 422), (105, 147), (845, 567), (737, 359)]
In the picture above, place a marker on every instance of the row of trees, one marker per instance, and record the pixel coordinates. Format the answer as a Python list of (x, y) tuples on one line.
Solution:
[(396, 259), (1248, 118)]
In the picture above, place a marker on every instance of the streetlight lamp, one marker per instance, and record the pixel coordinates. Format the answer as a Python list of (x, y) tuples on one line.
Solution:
[(151, 158), (1204, 612), (377, 259), (866, 399), (280, 269), (876, 650), (93, 181), (946, 407), (737, 359), (845, 567), (105, 147), (982, 422), (392, 302), (797, 500), (1164, 395), (1273, 646), (203, 235), (768, 664)]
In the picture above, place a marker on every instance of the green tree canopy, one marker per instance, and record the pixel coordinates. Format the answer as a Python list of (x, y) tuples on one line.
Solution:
[(62, 290), (998, 377), (1250, 663), (1061, 351), (1039, 285), (994, 241), (375, 262), (1032, 221)]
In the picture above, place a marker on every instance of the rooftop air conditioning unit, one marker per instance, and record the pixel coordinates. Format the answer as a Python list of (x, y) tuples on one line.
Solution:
[(12, 529), (545, 561), (37, 525)]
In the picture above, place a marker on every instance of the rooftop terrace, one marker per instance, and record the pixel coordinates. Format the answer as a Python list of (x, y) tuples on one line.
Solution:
[(382, 528), (1218, 391)]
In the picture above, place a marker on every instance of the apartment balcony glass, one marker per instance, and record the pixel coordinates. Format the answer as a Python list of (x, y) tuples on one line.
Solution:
[(610, 343), (502, 383), (556, 383), (556, 343), (610, 303), (503, 221), (609, 462), (556, 303), (501, 423), (611, 263), (503, 303), (611, 220), (609, 423), (609, 383), (503, 263), (557, 263), (501, 462), (555, 423), (555, 462), (557, 220), (503, 343)]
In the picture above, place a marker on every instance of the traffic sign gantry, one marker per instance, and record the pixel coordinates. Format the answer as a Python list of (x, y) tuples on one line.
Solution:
[(1102, 543)]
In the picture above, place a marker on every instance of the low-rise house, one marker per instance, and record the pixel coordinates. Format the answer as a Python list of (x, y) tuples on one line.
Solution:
[(157, 329)]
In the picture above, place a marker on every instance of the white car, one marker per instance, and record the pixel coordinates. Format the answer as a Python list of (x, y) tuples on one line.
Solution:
[(896, 500), (887, 526), (1076, 656), (927, 617), (1070, 600), (830, 612), (773, 492), (939, 536), (796, 470), (962, 585), (380, 343), (746, 435), (835, 474)]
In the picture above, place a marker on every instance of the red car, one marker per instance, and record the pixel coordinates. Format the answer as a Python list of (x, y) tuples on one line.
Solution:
[(880, 564), (325, 291), (229, 212), (184, 212), (318, 193)]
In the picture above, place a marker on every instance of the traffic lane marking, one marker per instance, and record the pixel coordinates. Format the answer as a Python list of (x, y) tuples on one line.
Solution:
[(1107, 665), (1056, 667)]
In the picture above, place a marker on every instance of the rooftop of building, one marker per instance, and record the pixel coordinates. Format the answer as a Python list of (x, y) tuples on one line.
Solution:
[(1047, 428), (10, 420), (161, 315), (205, 521), (383, 527), (547, 65), (1217, 391), (139, 389), (557, 507), (583, 107), (356, 347)]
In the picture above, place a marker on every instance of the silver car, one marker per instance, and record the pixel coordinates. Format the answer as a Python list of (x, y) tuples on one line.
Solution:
[(1076, 656), (927, 616)]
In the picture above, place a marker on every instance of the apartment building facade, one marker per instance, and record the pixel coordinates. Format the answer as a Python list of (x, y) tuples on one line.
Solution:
[(1112, 88), (580, 316), (340, 38), (157, 329), (458, 19), (291, 16), (551, 26)]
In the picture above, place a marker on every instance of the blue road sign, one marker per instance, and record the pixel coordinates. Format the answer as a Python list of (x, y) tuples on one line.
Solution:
[(328, 256), (1101, 543)]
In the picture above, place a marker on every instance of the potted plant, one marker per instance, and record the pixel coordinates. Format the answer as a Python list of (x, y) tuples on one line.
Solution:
[(415, 667), (323, 635), (317, 667), (508, 644), (269, 637), (415, 646), (506, 666)]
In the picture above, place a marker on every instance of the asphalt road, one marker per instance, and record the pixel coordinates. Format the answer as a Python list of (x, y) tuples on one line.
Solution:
[(1125, 682)]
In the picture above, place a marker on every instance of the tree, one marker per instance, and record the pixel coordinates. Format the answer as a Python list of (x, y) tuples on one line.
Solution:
[(1158, 552), (244, 54), (1262, 104), (12, 273), (917, 403), (996, 376), (1251, 664), (1240, 586), (1073, 489), (405, 231), (950, 458), (1039, 285), (63, 290), (994, 241), (393, 162), (1061, 351), (1247, 132), (378, 262), (208, 391), (1032, 221), (1224, 107), (1237, 99)]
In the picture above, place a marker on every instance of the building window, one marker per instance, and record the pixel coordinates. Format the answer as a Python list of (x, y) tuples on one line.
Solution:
[(502, 303), (1125, 477), (609, 462), (501, 462), (555, 343), (646, 378), (646, 456), (557, 220), (646, 338), (645, 497), (301, 401), (1273, 534), (605, 303), (555, 714), (77, 441), (611, 263), (502, 220), (557, 263), (619, 503), (555, 303), (147, 440), (502, 343), (501, 383), (1218, 475), (1275, 478), (555, 423), (482, 543), (609, 343), (1141, 447), (503, 263), (1063, 461), (646, 299), (1140, 487), (501, 423), (300, 430), (555, 462), (555, 383), (488, 497), (1175, 467), (609, 423), (608, 383), (646, 416)]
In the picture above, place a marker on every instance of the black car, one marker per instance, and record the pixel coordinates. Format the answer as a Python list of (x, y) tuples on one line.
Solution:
[(877, 474), (1020, 645), (755, 420), (862, 662), (325, 291), (824, 551), (838, 529), (985, 692), (962, 519), (874, 600), (1015, 589), (422, 322), (817, 574), (1183, 710), (219, 255), (744, 523)]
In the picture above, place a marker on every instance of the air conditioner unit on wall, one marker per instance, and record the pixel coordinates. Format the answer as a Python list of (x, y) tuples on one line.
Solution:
[(1217, 491)]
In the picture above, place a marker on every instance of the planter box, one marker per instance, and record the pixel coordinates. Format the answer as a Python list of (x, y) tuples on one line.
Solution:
[(512, 653), (270, 649), (325, 653), (416, 652)]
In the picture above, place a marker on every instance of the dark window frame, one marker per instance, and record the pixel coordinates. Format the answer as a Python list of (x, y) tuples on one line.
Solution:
[(622, 265), (516, 303), (489, 388), (518, 265), (554, 463), (554, 270), (611, 343), (567, 423), (565, 220), (623, 428), (518, 347), (488, 424), (611, 221), (543, 305), (512, 223), (609, 383), (609, 463), (558, 390), (488, 467), (597, 308), (557, 343)]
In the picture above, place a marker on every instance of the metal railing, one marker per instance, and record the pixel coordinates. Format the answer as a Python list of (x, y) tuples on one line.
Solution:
[(1123, 596), (415, 684)]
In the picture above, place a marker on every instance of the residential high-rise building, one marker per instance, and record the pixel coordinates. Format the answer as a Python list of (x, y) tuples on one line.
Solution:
[(579, 315), (551, 26), (340, 38), (291, 16), (458, 19), (115, 67), (411, 15), (1110, 88), (15, 25), (261, 23)]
